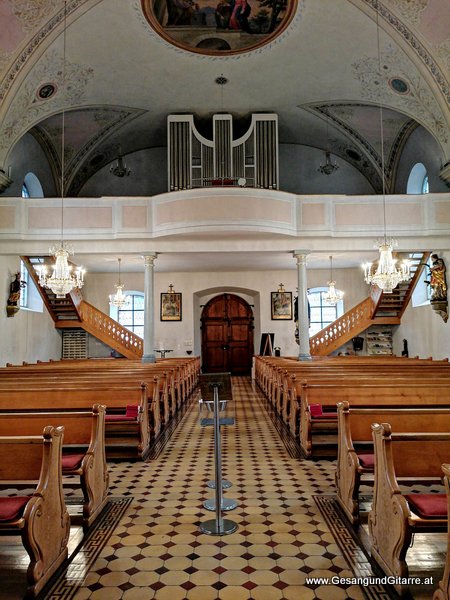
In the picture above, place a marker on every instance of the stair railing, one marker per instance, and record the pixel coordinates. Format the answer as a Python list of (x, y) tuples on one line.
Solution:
[(343, 329), (104, 328)]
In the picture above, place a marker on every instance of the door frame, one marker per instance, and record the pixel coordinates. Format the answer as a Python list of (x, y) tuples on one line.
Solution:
[(202, 297)]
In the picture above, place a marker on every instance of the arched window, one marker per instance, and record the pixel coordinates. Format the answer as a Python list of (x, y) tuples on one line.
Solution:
[(25, 192), (131, 315), (31, 187), (322, 314), (418, 180)]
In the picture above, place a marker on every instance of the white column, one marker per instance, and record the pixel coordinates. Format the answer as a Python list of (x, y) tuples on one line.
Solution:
[(303, 320), (149, 309)]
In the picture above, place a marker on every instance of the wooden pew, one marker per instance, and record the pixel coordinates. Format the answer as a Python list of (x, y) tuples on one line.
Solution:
[(394, 517), (83, 451), (355, 444), (135, 444), (177, 379), (42, 518), (358, 392), (443, 590)]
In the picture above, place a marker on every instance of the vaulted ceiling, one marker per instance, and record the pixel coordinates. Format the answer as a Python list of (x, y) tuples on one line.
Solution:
[(321, 76)]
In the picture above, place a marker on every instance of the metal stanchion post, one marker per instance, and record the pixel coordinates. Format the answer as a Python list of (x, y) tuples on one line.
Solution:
[(218, 526)]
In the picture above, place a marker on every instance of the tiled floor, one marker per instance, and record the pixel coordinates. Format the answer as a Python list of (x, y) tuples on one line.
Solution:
[(158, 552)]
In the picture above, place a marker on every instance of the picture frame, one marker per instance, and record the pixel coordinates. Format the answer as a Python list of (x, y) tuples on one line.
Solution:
[(281, 306), (171, 306)]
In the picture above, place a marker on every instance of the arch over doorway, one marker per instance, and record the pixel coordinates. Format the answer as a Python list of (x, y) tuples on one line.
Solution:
[(227, 335)]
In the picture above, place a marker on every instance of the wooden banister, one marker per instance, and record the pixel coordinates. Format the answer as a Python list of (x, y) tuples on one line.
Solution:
[(109, 331), (353, 322)]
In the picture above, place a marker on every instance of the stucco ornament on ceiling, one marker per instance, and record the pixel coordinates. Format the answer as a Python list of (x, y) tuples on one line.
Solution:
[(219, 27), (27, 109), (32, 14), (410, 10), (419, 103)]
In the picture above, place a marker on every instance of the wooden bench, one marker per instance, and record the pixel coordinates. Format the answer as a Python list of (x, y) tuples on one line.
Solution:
[(443, 590), (359, 392), (355, 461), (174, 380), (41, 519), (394, 516), (135, 441), (83, 451)]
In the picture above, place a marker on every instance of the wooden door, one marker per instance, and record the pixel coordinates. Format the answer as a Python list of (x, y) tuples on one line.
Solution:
[(227, 335)]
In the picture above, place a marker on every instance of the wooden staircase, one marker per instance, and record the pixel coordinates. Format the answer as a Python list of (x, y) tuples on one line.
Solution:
[(72, 312), (378, 309)]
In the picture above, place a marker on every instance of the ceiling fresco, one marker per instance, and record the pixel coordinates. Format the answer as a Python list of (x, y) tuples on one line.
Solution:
[(219, 27)]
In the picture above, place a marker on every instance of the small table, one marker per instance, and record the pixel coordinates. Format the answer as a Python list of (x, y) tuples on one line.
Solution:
[(163, 352)]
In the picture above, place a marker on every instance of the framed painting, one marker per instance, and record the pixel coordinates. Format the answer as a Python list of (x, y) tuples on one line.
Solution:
[(219, 27), (170, 306), (281, 306)]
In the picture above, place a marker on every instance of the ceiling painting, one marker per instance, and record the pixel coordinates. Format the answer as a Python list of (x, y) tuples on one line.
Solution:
[(219, 27)]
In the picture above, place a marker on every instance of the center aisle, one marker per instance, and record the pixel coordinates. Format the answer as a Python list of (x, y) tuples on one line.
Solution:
[(158, 551)]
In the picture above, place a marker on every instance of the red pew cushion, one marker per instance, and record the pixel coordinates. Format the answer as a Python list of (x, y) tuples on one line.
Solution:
[(131, 414), (71, 461), (428, 505), (317, 412), (367, 461), (12, 508)]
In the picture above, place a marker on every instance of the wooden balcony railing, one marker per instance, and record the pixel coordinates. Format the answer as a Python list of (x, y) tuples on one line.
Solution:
[(110, 332), (353, 322)]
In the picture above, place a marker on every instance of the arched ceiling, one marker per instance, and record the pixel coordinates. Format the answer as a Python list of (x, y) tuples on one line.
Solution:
[(321, 76)]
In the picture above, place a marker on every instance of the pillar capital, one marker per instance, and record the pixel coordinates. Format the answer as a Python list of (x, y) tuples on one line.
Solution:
[(301, 254), (150, 257)]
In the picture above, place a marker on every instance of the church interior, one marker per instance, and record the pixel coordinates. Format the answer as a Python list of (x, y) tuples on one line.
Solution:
[(254, 190)]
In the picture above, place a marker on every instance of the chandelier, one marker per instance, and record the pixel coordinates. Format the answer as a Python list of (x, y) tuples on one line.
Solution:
[(63, 279), (387, 276), (118, 299), (120, 170), (332, 296), (328, 167)]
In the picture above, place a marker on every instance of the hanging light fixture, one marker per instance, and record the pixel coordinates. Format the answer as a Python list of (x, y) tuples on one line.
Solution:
[(332, 296), (387, 276), (63, 279), (120, 169), (328, 167), (118, 299)]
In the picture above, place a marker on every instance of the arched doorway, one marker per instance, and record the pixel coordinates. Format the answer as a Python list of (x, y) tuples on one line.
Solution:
[(227, 335)]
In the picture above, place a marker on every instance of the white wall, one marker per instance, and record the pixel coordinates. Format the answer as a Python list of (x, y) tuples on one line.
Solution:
[(420, 147), (425, 330), (299, 175), (27, 336), (198, 288), (27, 155)]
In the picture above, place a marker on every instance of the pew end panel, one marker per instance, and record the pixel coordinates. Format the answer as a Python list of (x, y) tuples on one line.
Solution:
[(391, 520), (443, 590), (44, 524), (348, 468)]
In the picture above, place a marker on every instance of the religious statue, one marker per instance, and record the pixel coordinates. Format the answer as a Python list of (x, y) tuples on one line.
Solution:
[(438, 286), (12, 305)]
